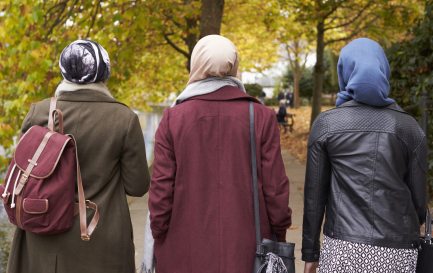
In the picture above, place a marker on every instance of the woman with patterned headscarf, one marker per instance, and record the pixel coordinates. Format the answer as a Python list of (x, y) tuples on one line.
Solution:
[(200, 199), (113, 163), (366, 168)]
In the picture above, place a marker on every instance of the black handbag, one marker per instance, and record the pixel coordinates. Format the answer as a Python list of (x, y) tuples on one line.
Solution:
[(425, 252), (278, 255)]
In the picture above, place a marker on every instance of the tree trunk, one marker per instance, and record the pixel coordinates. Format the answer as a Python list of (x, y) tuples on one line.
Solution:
[(297, 74), (211, 17), (318, 73), (210, 23), (190, 39)]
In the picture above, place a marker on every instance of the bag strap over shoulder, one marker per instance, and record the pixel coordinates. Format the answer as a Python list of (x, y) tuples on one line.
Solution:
[(428, 226), (254, 180), (83, 204), (86, 230), (52, 114)]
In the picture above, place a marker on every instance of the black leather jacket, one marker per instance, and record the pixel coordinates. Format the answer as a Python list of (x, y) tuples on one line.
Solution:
[(367, 168)]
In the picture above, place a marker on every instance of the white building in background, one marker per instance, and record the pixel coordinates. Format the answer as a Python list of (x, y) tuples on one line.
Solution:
[(274, 75), (268, 78), (266, 81)]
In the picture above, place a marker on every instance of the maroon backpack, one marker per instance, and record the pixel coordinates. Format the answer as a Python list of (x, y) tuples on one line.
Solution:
[(39, 190)]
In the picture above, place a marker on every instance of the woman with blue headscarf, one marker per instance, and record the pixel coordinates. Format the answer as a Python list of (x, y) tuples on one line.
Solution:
[(367, 169)]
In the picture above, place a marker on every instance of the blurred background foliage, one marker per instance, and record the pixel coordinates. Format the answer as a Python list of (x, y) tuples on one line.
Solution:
[(150, 44), (412, 76)]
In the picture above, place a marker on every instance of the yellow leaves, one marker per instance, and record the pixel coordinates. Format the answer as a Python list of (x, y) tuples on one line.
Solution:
[(159, 73), (5, 127), (244, 22)]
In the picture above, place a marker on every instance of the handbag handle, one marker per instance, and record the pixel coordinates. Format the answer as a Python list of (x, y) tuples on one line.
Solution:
[(259, 250), (428, 226)]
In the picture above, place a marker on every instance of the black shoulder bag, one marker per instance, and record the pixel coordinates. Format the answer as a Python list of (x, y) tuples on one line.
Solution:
[(425, 253), (277, 255)]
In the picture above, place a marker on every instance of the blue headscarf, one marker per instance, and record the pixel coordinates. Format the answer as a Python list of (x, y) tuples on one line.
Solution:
[(363, 73)]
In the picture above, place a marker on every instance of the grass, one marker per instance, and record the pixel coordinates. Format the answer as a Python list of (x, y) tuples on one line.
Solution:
[(5, 240)]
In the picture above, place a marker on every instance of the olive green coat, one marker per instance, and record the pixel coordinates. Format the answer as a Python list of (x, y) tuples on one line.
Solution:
[(113, 164)]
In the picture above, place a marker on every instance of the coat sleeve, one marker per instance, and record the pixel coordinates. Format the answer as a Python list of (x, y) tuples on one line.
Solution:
[(317, 180), (417, 178), (274, 180), (163, 178), (133, 163)]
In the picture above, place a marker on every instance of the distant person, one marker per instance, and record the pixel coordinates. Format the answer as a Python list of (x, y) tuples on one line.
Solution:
[(113, 163), (282, 115), (280, 96), (366, 167), (289, 99), (200, 198)]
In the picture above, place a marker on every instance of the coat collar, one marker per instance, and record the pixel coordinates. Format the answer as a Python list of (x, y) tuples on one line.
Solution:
[(85, 95), (224, 94), (353, 103)]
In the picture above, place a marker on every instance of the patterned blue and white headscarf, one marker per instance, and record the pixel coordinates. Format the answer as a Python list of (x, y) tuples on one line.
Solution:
[(84, 61)]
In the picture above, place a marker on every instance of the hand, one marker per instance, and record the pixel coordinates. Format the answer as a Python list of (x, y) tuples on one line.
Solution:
[(311, 267)]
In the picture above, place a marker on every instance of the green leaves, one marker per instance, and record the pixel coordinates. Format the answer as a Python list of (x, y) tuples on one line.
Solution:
[(145, 67), (412, 73)]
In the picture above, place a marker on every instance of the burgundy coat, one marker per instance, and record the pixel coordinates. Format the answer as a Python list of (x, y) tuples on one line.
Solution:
[(200, 199)]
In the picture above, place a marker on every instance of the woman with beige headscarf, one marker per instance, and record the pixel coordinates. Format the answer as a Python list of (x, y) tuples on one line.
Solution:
[(200, 200)]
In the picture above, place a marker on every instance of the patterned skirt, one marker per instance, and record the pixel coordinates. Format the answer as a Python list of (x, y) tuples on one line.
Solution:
[(338, 256)]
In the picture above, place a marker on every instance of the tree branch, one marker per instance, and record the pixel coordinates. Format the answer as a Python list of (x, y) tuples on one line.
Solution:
[(176, 23), (354, 33), (304, 64), (61, 3), (290, 47), (354, 19), (173, 45), (60, 18), (333, 9), (98, 5)]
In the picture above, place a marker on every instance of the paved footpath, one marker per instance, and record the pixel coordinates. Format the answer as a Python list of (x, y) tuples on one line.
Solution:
[(295, 171)]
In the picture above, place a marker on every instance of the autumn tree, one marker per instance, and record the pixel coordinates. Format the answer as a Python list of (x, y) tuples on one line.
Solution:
[(183, 23), (33, 33), (411, 77), (337, 21), (296, 41), (139, 36), (298, 45)]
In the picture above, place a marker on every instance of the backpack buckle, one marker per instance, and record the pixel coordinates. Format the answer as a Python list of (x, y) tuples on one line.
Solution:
[(32, 162)]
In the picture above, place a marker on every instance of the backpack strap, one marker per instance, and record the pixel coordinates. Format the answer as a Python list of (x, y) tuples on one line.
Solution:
[(83, 204), (52, 114), (86, 230)]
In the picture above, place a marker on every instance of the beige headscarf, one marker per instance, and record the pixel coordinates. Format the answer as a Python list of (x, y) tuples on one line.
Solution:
[(213, 56), (214, 64)]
